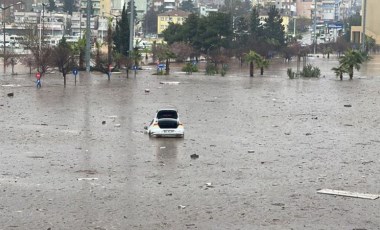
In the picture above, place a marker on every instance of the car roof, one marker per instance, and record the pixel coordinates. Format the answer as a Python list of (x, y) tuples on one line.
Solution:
[(167, 109)]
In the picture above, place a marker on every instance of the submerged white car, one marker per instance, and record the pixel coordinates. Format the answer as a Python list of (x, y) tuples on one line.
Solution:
[(166, 123)]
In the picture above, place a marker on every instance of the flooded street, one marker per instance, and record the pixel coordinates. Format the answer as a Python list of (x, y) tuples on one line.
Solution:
[(78, 157)]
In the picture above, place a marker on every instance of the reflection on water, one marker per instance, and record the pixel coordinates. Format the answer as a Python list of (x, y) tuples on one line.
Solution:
[(166, 150)]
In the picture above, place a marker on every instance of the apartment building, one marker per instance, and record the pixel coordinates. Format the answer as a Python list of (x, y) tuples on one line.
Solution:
[(99, 7), (372, 22), (174, 16)]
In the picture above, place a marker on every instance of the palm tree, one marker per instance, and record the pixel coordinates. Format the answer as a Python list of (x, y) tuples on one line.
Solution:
[(351, 59), (251, 57), (339, 71), (262, 63)]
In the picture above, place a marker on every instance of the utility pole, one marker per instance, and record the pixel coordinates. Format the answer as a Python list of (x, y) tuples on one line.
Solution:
[(88, 36), (315, 26), (131, 28), (364, 9), (43, 21)]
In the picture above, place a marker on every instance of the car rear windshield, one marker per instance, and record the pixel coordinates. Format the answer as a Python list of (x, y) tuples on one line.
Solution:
[(167, 114)]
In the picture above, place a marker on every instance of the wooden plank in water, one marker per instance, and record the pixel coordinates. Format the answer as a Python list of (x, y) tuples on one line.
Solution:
[(349, 194)]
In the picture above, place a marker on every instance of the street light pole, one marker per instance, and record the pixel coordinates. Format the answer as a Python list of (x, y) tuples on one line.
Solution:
[(3, 9), (314, 26), (364, 8), (88, 36), (131, 28), (43, 21)]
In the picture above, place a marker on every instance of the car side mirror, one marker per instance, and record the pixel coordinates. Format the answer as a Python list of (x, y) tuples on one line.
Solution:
[(146, 127)]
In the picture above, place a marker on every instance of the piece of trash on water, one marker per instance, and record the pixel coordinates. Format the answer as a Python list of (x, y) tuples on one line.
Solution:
[(10, 94), (117, 125), (251, 151), (11, 85), (194, 156), (163, 147), (88, 178), (209, 185), (181, 206), (169, 82), (349, 194), (147, 90), (347, 105)]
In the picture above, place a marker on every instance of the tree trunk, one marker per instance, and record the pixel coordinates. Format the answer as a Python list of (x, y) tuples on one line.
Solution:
[(262, 71), (64, 78), (328, 55), (351, 72), (341, 76), (167, 70), (251, 69), (81, 62)]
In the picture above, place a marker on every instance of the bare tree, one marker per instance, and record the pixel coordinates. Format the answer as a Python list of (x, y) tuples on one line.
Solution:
[(182, 50), (29, 61)]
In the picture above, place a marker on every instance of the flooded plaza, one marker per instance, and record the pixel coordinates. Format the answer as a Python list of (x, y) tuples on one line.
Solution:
[(77, 157)]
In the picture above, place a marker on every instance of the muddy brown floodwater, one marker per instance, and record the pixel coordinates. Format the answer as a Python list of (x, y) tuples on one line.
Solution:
[(266, 145)]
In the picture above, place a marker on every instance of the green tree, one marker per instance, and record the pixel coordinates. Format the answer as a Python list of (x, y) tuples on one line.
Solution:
[(134, 8), (51, 7), (150, 22), (188, 6), (121, 34), (351, 59), (255, 26), (79, 48), (370, 44), (251, 57), (69, 6), (215, 31), (262, 63), (164, 53), (62, 58), (273, 28), (339, 71), (241, 29), (174, 33)]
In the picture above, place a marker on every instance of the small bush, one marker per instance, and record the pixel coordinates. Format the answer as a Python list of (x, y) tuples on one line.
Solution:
[(211, 69), (189, 68), (224, 70), (311, 71), (290, 73)]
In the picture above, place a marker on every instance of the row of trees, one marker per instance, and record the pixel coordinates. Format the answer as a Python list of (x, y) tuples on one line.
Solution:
[(222, 31)]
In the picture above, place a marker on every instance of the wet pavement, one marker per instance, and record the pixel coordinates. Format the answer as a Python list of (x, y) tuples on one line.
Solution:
[(265, 144)]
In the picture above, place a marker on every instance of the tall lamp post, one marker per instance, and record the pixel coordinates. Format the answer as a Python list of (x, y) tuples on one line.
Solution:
[(3, 9), (315, 26), (364, 7), (88, 36), (131, 28)]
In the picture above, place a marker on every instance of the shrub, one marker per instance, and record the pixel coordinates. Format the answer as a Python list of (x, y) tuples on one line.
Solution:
[(211, 69), (224, 69), (290, 73), (189, 68), (311, 71)]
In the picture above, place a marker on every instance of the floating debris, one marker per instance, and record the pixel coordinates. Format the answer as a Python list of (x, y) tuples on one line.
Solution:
[(194, 156), (349, 194), (88, 178), (169, 82)]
